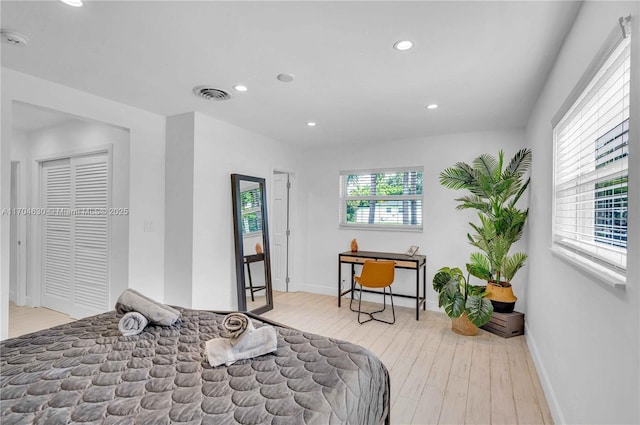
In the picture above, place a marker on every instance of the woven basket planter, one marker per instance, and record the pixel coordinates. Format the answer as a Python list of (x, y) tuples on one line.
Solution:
[(463, 326)]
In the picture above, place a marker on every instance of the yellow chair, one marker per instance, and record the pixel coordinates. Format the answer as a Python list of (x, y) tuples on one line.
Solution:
[(376, 274)]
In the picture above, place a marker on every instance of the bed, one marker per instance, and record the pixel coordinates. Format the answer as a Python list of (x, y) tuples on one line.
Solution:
[(87, 372)]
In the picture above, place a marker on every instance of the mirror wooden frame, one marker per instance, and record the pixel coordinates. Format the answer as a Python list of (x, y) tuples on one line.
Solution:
[(239, 242)]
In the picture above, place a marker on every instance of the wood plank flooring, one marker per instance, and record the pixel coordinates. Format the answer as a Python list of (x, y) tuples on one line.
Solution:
[(437, 376), (24, 320)]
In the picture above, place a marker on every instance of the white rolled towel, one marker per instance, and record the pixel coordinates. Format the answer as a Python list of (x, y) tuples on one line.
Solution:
[(132, 323), (155, 312), (254, 343), (236, 326)]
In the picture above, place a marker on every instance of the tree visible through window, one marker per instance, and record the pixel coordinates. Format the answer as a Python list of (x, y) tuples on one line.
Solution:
[(382, 198), (251, 210)]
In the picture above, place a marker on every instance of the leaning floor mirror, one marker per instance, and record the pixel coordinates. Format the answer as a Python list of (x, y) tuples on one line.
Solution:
[(253, 264)]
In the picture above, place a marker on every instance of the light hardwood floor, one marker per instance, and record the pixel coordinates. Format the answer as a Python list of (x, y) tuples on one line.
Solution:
[(437, 376), (24, 320)]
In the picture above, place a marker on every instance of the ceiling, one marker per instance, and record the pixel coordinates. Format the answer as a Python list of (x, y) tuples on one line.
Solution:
[(484, 63)]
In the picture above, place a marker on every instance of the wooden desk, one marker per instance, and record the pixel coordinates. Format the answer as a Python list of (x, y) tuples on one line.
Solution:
[(403, 261)]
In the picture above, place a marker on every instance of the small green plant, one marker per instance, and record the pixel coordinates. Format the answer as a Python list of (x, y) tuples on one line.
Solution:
[(457, 296)]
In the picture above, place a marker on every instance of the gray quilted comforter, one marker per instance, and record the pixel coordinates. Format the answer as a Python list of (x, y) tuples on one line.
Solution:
[(87, 372)]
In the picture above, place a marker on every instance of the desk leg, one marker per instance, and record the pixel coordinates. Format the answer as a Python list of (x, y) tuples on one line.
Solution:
[(424, 286), (339, 282), (250, 281), (418, 293), (353, 273)]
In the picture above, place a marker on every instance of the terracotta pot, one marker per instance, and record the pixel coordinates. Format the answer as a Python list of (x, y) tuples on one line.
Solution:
[(501, 297), (463, 326)]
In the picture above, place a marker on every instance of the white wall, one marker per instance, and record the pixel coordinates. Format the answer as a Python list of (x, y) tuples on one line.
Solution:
[(179, 210), (583, 334), (146, 249), (443, 240), (71, 137), (219, 149)]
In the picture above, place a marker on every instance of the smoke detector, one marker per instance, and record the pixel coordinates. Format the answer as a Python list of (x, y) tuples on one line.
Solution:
[(210, 93), (14, 38)]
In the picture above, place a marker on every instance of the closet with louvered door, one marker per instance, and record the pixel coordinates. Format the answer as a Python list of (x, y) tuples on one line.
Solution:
[(75, 235)]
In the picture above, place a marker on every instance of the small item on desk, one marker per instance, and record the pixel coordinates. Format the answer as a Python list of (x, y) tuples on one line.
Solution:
[(413, 250), (258, 248), (354, 245)]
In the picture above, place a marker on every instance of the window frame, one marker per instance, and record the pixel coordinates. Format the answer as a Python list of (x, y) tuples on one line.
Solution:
[(574, 252), (343, 198)]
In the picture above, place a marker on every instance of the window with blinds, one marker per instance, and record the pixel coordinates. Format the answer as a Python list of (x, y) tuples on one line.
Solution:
[(381, 199), (250, 201), (591, 149)]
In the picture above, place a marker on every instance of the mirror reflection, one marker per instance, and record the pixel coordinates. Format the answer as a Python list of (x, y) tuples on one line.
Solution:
[(252, 244)]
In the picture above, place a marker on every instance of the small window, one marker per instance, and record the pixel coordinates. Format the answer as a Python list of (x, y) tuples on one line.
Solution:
[(251, 211), (591, 149), (381, 199)]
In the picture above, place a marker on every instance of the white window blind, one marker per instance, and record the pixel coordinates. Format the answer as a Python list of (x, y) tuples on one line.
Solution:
[(591, 148), (381, 199)]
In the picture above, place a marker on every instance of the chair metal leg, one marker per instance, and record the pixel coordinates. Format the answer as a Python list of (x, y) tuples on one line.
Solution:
[(393, 310), (370, 314), (360, 310)]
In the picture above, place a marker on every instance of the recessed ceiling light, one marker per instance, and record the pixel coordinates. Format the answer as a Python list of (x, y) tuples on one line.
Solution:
[(403, 45), (311, 124), (432, 106), (240, 87), (286, 78), (74, 3)]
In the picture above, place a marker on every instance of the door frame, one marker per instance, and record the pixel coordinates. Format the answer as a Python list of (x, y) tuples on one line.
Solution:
[(19, 250)]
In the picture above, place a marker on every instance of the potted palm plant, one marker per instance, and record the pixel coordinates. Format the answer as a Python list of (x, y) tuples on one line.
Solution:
[(494, 191), (465, 304)]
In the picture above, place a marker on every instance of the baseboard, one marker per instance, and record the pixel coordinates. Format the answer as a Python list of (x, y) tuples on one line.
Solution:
[(12, 297), (552, 400), (316, 289), (403, 302)]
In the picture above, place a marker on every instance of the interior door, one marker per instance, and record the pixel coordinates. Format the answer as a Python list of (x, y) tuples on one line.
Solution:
[(75, 256), (280, 232)]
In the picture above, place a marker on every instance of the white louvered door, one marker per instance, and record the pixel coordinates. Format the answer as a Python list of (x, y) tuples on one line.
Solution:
[(76, 235), (57, 290)]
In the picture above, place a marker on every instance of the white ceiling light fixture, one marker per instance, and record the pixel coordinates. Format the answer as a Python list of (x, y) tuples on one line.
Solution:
[(311, 124), (240, 87), (403, 45), (73, 3), (14, 38), (432, 106)]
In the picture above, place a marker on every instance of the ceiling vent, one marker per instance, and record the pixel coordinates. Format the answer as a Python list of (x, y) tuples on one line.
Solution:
[(209, 93), (14, 38)]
